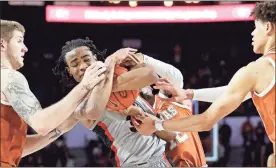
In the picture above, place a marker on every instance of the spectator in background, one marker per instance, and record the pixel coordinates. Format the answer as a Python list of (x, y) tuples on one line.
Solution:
[(225, 134), (221, 155), (177, 59), (92, 150), (248, 142), (97, 155), (55, 153), (260, 146)]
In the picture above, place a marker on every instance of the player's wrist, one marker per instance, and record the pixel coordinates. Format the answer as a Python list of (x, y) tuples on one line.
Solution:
[(140, 57), (158, 124), (86, 86), (190, 93)]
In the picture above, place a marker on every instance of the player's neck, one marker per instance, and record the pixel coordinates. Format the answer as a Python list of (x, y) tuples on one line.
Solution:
[(270, 46), (5, 63)]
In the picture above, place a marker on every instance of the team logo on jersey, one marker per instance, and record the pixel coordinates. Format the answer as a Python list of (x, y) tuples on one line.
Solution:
[(172, 111), (169, 113)]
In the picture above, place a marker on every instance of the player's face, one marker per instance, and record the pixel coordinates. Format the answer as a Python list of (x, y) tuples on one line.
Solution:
[(14, 49), (260, 36), (78, 60)]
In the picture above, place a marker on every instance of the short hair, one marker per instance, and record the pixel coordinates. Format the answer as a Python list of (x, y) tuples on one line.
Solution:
[(8, 26), (60, 67), (265, 11)]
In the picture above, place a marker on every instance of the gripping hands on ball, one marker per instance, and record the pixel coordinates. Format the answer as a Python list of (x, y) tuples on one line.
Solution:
[(124, 54), (93, 75)]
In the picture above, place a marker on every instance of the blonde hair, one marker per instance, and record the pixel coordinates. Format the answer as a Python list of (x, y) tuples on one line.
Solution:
[(8, 26)]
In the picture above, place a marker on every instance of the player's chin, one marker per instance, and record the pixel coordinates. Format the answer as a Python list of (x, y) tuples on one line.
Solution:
[(78, 79), (257, 50), (20, 64)]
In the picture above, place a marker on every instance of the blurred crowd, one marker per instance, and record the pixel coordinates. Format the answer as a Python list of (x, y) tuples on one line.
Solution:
[(255, 149), (58, 154)]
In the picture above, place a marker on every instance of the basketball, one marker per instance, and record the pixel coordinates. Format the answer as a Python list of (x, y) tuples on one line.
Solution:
[(123, 99)]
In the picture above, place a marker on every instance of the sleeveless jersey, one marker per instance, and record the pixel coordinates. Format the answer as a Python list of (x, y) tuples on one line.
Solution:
[(186, 150), (13, 135), (127, 147), (265, 102)]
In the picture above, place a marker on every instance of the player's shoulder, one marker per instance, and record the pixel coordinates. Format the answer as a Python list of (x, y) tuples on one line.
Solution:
[(12, 76), (256, 66), (255, 69)]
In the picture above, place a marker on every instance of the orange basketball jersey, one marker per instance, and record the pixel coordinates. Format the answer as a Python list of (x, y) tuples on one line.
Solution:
[(13, 136), (265, 103), (186, 150)]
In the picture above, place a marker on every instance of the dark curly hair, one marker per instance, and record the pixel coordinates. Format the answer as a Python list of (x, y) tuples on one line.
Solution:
[(60, 67), (265, 11)]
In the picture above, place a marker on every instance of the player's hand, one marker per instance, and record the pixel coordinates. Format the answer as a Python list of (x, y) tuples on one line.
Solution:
[(146, 124), (94, 74), (135, 61), (132, 111), (123, 53), (177, 94)]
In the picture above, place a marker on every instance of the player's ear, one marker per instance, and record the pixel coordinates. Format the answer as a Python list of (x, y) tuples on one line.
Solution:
[(3, 44), (270, 28)]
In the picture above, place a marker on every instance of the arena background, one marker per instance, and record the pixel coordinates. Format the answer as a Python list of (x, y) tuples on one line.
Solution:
[(207, 53)]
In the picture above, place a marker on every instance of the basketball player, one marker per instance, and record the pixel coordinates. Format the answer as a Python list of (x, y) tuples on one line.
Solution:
[(257, 77), (20, 107), (128, 148), (185, 149)]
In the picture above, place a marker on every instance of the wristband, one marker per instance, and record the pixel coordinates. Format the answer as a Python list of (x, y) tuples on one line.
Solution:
[(159, 125), (195, 96)]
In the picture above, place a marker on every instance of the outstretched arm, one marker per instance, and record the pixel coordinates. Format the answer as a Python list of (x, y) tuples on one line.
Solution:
[(161, 68), (135, 79), (27, 106), (209, 94), (165, 70), (242, 83)]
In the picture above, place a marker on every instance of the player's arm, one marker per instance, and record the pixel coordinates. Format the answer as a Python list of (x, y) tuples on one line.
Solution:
[(165, 135), (135, 79), (163, 69), (36, 142), (92, 107), (242, 83), (27, 106), (209, 94)]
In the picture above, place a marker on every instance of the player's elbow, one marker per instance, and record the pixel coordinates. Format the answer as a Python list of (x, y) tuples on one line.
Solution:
[(206, 122), (40, 127)]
